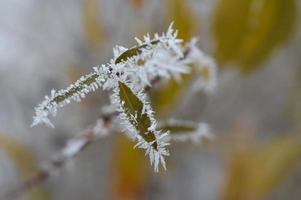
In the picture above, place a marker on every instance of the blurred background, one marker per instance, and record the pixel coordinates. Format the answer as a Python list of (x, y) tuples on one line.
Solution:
[(255, 113)]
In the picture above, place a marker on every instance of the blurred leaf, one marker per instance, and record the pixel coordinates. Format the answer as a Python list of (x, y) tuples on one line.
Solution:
[(130, 172), (133, 106), (248, 31), (183, 17), (25, 163), (91, 21), (255, 172), (165, 97)]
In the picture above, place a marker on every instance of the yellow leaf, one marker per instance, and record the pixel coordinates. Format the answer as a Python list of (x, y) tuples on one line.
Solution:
[(247, 32), (183, 17)]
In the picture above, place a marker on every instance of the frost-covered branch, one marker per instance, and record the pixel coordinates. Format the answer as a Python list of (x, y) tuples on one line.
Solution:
[(128, 74)]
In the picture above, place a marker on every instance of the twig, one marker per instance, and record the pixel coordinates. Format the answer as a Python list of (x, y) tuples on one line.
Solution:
[(73, 147)]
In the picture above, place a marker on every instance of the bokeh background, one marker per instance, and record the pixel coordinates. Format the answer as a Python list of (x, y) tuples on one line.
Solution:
[(255, 113)]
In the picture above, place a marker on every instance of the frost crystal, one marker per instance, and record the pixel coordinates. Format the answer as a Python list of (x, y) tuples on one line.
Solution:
[(205, 66)]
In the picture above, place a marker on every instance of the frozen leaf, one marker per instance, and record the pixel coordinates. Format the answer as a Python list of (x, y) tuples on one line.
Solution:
[(137, 118), (134, 109), (133, 52), (60, 98), (159, 57)]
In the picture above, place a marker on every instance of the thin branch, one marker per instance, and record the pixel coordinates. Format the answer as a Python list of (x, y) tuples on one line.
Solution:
[(73, 147)]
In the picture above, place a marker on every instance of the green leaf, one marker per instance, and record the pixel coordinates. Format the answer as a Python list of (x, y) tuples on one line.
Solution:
[(133, 106), (248, 37), (136, 50)]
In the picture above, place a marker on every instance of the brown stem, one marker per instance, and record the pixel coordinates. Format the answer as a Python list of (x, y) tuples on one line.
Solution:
[(73, 147)]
